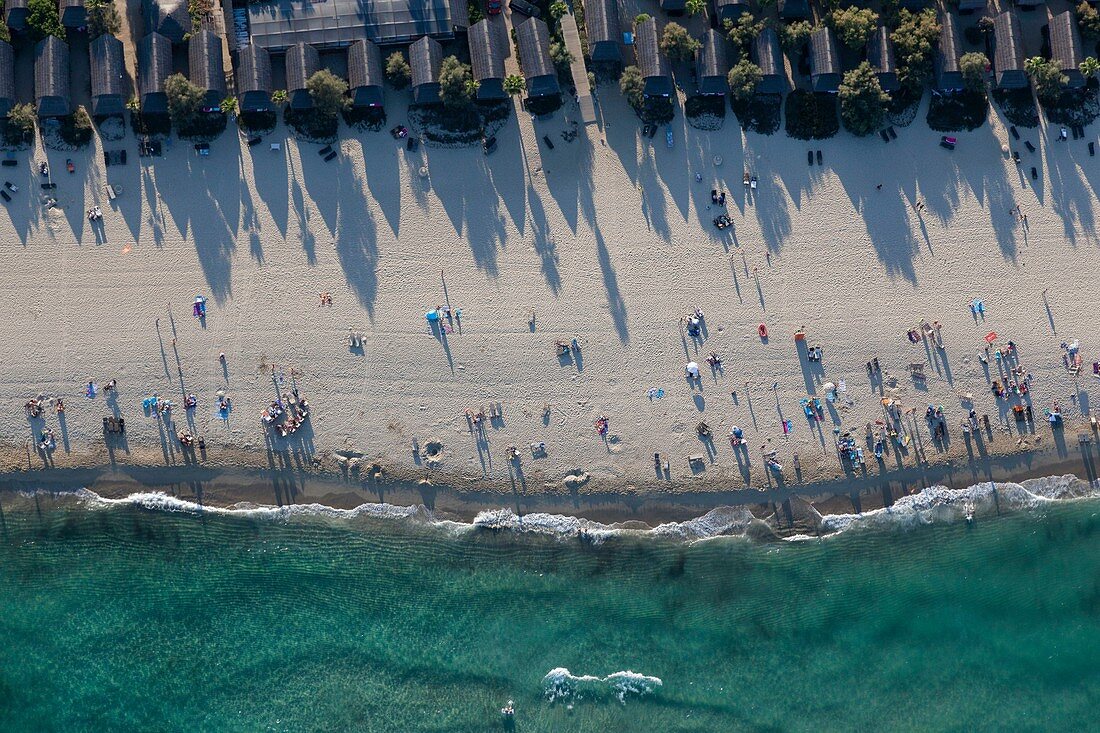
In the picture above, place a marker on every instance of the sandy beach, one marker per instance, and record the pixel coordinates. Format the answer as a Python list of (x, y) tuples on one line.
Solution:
[(608, 240)]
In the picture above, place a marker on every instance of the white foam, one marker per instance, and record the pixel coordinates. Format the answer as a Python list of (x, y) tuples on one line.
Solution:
[(561, 684)]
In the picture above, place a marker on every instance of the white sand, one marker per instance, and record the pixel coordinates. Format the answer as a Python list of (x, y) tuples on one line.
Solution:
[(609, 241)]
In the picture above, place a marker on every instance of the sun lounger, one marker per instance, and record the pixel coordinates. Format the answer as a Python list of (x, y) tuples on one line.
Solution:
[(810, 157), (12, 163), (113, 191), (325, 151), (549, 143), (330, 156), (489, 145), (254, 141), (884, 135), (48, 186), (893, 135), (4, 194), (1029, 146), (1034, 174), (276, 147), (819, 157), (1015, 134), (1092, 148)]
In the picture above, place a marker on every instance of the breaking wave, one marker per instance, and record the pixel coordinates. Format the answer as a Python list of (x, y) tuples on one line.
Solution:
[(560, 684)]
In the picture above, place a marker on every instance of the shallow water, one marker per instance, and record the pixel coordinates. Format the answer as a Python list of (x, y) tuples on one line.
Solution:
[(119, 617)]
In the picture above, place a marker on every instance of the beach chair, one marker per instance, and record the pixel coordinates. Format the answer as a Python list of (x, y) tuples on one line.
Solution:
[(1029, 146), (276, 147), (330, 156), (254, 141), (4, 194), (325, 151)]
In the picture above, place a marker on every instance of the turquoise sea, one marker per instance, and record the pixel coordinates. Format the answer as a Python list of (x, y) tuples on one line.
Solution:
[(146, 615)]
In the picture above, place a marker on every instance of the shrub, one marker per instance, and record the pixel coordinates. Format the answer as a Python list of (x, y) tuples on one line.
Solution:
[(793, 36), (328, 92), (743, 79), (632, 85), (103, 18), (742, 33), (811, 116), (1048, 79), (1088, 18), (76, 129), (677, 43), (185, 101), (43, 20), (514, 84), (398, 71), (454, 83), (972, 66), (862, 101), (561, 57), (20, 128), (914, 40), (854, 26)]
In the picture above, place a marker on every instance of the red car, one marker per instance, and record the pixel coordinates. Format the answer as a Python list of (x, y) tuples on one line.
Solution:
[(493, 7)]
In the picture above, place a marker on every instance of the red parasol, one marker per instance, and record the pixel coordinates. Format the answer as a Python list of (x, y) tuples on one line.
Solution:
[(991, 337)]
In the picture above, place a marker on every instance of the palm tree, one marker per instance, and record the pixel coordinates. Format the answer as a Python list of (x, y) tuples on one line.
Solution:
[(694, 7), (1090, 67), (279, 96), (229, 106), (514, 84)]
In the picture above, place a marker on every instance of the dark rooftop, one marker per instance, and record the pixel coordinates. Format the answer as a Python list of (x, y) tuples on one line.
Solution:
[(51, 77), (365, 75), (108, 69), (337, 23), (712, 64)]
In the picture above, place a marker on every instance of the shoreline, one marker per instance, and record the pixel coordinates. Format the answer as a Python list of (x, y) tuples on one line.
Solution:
[(452, 497)]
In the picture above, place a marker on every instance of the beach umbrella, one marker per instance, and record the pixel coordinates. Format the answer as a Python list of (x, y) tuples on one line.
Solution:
[(991, 337), (693, 369), (432, 316)]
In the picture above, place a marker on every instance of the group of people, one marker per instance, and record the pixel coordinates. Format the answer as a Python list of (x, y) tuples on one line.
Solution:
[(293, 407), (95, 213)]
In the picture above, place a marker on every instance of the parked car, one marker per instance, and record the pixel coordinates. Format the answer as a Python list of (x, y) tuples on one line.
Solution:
[(525, 8), (492, 7)]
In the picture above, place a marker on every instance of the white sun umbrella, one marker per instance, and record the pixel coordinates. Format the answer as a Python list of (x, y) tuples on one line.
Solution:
[(692, 369)]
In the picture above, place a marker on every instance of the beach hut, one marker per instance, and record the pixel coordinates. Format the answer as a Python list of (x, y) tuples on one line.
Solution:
[(711, 64), (1065, 47), (302, 62), (73, 14), (1008, 52), (7, 78), (253, 76), (824, 61), (108, 69), (204, 59), (969, 6), (51, 77), (169, 18), (948, 77), (793, 9), (769, 57), (533, 42), (15, 14), (365, 74), (601, 21), (425, 58), (154, 57), (1035, 3), (730, 10), (654, 65), (880, 54), (486, 61), (675, 7)]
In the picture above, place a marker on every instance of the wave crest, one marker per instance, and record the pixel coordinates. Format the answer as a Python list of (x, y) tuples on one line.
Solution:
[(560, 684)]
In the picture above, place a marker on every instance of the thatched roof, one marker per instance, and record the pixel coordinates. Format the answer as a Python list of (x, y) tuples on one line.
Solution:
[(154, 57), (601, 23), (654, 65), (712, 65), (533, 42), (108, 70), (365, 75), (51, 77), (948, 76), (880, 53), (73, 14), (1008, 57), (769, 57), (7, 78), (302, 62), (730, 10), (253, 77), (425, 58), (170, 18), (824, 61), (204, 59), (1065, 46), (486, 60)]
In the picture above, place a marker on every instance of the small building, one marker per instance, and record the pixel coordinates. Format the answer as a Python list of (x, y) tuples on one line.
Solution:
[(302, 62), (601, 22), (154, 62), (426, 59), (73, 14), (948, 76), (969, 6), (654, 65), (365, 75), (169, 18), (730, 10), (824, 61), (51, 78), (1034, 3), (793, 9), (533, 42), (204, 61), (15, 14), (337, 24), (1008, 52), (1065, 47), (712, 65), (769, 57), (880, 54), (108, 72), (675, 7), (253, 76), (486, 61), (7, 78)]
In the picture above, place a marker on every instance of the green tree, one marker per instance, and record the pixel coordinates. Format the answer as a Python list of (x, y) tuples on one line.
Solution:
[(103, 18), (1090, 67), (279, 96), (20, 128), (742, 33), (328, 92), (229, 106), (1088, 18), (561, 57), (43, 20), (641, 18), (972, 66), (558, 9), (862, 101), (185, 100), (398, 71), (454, 78), (694, 7), (793, 36), (854, 26), (914, 40), (514, 84), (632, 85), (743, 79), (677, 43), (1048, 79)]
